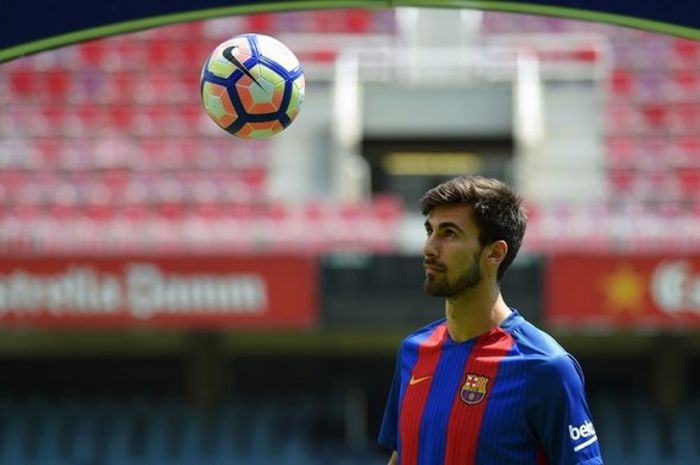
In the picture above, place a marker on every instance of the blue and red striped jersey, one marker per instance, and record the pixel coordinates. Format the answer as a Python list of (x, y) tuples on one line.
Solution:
[(510, 396)]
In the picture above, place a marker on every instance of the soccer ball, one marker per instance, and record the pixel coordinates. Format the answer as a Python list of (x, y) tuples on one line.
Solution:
[(252, 86)]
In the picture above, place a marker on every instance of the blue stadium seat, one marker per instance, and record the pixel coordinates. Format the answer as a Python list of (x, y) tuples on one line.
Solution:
[(609, 423), (59, 430), (685, 431), (122, 434), (9, 433), (35, 429), (649, 449), (228, 429)]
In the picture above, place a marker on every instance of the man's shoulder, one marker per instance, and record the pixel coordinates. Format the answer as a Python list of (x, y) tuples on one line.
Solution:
[(535, 343), (549, 361), (422, 333)]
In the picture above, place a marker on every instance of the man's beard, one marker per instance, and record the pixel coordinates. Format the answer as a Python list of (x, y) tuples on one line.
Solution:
[(439, 286)]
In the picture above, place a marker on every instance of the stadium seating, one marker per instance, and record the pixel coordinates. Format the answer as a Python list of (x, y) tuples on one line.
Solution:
[(303, 430), (98, 131), (117, 121), (652, 91)]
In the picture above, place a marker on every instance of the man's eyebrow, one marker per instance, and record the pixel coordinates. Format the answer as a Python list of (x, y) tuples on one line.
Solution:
[(443, 225)]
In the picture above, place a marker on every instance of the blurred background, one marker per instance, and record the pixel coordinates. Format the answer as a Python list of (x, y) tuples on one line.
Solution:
[(170, 294)]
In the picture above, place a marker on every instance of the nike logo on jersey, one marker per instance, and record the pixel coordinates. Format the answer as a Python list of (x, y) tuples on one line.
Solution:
[(584, 432), (415, 380)]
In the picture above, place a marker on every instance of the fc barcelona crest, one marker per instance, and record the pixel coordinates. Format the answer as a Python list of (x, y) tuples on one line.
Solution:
[(474, 389)]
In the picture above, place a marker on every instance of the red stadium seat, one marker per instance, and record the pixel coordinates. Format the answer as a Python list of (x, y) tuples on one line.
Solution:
[(49, 151), (387, 207), (24, 83), (151, 120), (621, 152), (685, 53), (192, 54), (621, 84), (654, 117), (135, 214), (622, 182), (189, 152), (85, 120), (323, 21), (125, 53), (32, 192), (653, 153), (99, 213), (208, 211), (155, 88), (186, 120), (685, 86), (11, 182), (171, 211), (261, 22), (686, 151), (77, 155), (621, 119), (26, 120), (63, 213), (684, 119), (120, 87), (92, 53), (120, 118), (359, 21), (57, 83), (658, 185), (689, 183), (116, 181), (255, 178), (55, 119), (160, 53)]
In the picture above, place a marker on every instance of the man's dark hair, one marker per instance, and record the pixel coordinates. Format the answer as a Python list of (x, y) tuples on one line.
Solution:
[(497, 211)]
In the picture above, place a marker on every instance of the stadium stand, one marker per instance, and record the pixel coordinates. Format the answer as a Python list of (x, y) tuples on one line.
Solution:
[(302, 430), (651, 103), (103, 129), (81, 114)]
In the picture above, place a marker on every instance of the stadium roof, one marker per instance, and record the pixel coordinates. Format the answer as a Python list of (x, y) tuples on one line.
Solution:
[(30, 27)]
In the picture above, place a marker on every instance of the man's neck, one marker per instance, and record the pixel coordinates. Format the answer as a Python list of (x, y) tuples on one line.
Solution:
[(475, 313)]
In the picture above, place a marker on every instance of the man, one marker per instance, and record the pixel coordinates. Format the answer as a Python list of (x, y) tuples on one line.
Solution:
[(482, 386)]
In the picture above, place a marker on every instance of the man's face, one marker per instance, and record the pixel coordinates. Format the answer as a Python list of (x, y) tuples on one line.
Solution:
[(452, 251)]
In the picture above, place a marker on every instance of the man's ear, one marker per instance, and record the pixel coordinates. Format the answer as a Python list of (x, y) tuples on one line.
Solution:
[(496, 252)]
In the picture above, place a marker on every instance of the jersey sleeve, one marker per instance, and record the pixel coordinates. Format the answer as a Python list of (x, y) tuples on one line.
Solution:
[(558, 413), (388, 432)]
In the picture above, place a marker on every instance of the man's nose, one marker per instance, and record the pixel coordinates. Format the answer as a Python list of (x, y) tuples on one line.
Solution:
[(429, 247)]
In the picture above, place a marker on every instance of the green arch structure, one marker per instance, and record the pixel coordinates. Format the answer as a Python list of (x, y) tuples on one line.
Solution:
[(298, 5)]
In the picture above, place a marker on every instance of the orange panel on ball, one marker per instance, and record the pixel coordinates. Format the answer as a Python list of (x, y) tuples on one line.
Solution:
[(264, 95), (260, 129), (218, 104)]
